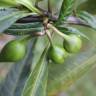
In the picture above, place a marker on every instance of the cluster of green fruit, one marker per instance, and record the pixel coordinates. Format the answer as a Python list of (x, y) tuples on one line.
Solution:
[(15, 50), (72, 44)]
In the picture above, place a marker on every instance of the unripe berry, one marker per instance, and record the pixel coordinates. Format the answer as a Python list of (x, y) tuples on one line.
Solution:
[(57, 54), (72, 44), (13, 51)]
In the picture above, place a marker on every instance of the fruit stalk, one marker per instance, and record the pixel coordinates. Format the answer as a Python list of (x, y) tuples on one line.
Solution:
[(49, 37), (50, 26)]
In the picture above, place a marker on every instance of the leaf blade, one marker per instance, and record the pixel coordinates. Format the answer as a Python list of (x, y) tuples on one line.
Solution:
[(10, 84), (35, 78), (9, 17)]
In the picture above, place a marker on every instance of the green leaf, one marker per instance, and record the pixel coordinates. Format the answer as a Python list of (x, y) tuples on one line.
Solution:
[(66, 10), (21, 32), (29, 5), (42, 89), (87, 18), (36, 76), (7, 3), (55, 6), (25, 26), (15, 3), (71, 30), (9, 17), (25, 29)]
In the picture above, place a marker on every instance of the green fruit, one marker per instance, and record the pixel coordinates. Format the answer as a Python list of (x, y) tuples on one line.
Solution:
[(72, 43), (13, 51), (57, 54)]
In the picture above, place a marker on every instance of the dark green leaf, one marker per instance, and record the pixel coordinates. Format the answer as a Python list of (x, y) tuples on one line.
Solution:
[(25, 26), (10, 16), (66, 10), (36, 76), (42, 89), (71, 30), (87, 18), (27, 31)]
